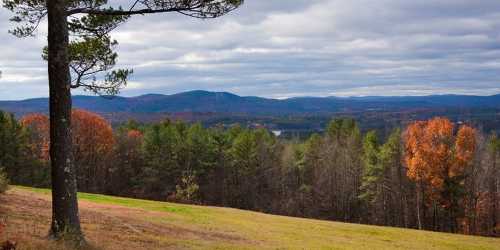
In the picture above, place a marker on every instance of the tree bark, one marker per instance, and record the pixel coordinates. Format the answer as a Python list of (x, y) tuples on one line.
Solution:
[(65, 219)]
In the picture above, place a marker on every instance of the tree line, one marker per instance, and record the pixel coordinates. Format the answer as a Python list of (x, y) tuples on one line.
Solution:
[(432, 175)]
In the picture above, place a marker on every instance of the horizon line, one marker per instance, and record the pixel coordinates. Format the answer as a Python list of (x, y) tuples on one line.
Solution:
[(264, 97)]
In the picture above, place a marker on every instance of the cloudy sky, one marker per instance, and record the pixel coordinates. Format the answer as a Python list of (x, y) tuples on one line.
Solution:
[(285, 48)]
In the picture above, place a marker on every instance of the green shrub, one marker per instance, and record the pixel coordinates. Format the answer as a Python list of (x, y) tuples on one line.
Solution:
[(4, 182)]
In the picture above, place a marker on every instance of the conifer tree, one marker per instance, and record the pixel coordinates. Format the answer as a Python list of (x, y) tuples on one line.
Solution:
[(80, 54)]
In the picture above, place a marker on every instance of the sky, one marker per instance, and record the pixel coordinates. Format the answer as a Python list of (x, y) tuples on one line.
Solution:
[(281, 49)]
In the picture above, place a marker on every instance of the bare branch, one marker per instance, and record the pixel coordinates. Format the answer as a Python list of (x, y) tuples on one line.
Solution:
[(112, 12), (192, 8)]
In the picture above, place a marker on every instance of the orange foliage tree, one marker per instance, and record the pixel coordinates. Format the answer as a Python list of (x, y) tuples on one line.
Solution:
[(93, 142), (38, 132), (436, 159)]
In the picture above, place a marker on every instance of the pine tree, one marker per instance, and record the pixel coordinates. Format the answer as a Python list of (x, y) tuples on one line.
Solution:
[(373, 171), (13, 147), (76, 63)]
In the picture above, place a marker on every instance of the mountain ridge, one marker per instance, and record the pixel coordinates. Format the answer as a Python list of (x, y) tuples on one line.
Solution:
[(226, 102)]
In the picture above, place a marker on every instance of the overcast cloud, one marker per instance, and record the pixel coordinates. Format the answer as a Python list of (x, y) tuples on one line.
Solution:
[(278, 48)]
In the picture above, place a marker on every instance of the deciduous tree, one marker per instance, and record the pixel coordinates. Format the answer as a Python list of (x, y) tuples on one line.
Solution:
[(436, 160), (493, 187), (38, 131), (93, 143)]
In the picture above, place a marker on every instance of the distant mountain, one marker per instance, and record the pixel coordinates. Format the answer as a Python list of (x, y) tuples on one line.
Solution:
[(222, 102)]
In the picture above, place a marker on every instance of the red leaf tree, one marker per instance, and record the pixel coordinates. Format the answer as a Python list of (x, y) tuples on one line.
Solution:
[(93, 142), (38, 133), (436, 159)]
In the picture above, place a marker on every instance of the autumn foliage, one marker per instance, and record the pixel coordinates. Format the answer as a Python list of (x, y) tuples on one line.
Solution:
[(92, 134), (93, 141), (92, 144), (38, 131), (437, 158), (134, 134), (465, 146), (434, 153)]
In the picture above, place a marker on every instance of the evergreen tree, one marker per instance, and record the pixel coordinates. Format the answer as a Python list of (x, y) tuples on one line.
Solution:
[(373, 170), (395, 183), (13, 148), (162, 149), (244, 157), (127, 171)]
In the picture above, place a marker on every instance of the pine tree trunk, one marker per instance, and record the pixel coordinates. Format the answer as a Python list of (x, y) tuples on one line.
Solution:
[(65, 220)]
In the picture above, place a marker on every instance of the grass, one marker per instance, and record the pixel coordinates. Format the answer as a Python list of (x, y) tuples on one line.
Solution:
[(121, 223)]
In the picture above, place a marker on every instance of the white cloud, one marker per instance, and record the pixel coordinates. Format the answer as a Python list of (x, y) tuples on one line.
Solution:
[(278, 48)]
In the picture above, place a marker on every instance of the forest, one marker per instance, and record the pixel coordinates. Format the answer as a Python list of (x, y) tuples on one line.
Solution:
[(433, 175)]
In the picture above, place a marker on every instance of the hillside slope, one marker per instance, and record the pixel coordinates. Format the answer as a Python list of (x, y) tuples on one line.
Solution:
[(119, 223)]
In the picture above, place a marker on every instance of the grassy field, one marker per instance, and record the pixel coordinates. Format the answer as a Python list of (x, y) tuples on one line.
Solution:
[(120, 223)]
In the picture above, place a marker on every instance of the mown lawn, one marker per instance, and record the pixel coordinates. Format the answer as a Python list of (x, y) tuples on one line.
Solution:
[(120, 223)]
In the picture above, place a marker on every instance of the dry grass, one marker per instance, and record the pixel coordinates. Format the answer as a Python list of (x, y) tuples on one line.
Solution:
[(27, 216), (119, 223)]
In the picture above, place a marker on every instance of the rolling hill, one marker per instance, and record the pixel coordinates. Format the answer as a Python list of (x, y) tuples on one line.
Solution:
[(223, 102), (121, 223)]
